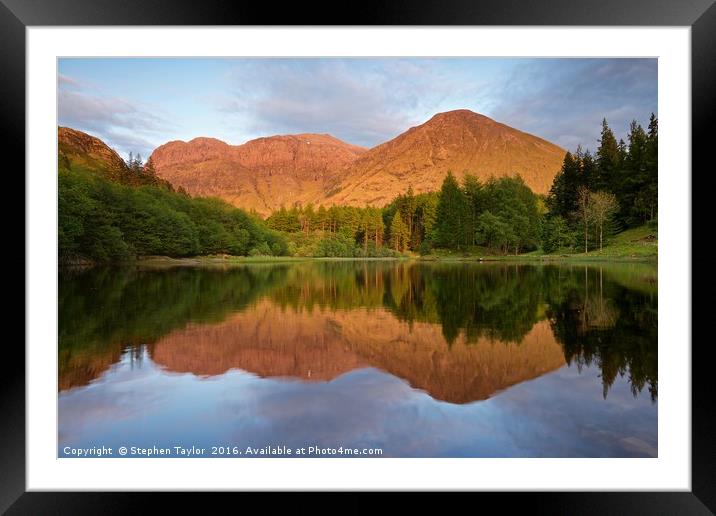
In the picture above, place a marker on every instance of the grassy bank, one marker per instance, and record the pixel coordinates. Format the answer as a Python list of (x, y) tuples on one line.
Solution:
[(236, 260), (634, 245), (637, 244)]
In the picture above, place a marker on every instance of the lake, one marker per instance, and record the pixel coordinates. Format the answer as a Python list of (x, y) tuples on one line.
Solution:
[(368, 358)]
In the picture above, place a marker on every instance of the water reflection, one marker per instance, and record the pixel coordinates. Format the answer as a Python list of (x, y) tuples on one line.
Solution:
[(300, 333), (318, 320)]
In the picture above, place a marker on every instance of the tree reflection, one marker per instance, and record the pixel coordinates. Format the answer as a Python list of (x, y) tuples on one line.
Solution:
[(604, 323), (603, 316)]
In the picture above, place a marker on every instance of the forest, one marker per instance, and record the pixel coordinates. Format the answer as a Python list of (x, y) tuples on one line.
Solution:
[(103, 221), (596, 195), (592, 198)]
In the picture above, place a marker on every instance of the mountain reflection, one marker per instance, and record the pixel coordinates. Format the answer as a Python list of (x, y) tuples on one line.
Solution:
[(268, 341), (460, 332)]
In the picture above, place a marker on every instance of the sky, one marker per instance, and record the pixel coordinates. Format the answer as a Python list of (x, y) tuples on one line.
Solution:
[(137, 104)]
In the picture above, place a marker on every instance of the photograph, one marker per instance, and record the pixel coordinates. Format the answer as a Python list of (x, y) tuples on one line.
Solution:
[(357, 257)]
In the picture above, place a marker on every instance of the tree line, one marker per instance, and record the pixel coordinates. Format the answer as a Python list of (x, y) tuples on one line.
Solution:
[(595, 195), (591, 198), (501, 214), (102, 220)]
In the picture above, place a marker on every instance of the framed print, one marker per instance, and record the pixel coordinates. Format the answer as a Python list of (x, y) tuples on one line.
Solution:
[(417, 252)]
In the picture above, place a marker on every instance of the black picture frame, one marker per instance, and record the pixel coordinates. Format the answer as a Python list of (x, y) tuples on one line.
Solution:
[(16, 15)]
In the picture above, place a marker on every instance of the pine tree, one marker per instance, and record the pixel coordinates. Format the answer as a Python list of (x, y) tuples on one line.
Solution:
[(398, 231), (322, 217), (608, 159), (452, 215), (562, 198), (584, 213), (366, 224), (634, 178), (650, 190), (149, 167), (473, 189), (589, 171), (377, 218), (407, 210)]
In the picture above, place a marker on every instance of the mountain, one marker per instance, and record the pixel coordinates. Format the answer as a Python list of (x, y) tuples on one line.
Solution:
[(460, 141), (262, 174), (76, 149), (267, 173)]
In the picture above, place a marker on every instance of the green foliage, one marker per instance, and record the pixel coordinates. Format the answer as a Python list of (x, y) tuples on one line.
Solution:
[(501, 214), (449, 219), (474, 196), (417, 213), (493, 231), (425, 248), (452, 215), (609, 160), (556, 234), (284, 220), (350, 231), (509, 199), (592, 197), (336, 245), (399, 233), (131, 173), (100, 220), (562, 198), (262, 249), (628, 171)]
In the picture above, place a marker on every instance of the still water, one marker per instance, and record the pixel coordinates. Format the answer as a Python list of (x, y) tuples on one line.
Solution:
[(412, 359)]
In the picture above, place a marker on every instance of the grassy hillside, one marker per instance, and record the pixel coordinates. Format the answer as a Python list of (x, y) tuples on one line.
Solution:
[(640, 243)]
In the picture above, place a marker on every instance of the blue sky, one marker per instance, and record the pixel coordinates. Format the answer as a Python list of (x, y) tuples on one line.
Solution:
[(137, 104)]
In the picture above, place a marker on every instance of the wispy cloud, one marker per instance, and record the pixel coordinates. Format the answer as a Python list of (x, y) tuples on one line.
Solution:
[(565, 101), (362, 102), (123, 124), (63, 80), (137, 104)]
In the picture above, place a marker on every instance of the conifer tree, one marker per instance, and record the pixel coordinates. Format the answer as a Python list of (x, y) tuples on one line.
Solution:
[(407, 210), (473, 189), (650, 191), (608, 159), (452, 215), (562, 198), (634, 177), (584, 213), (398, 232)]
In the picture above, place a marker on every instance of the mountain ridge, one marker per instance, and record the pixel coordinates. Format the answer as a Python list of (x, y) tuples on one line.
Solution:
[(77, 149), (261, 174), (266, 173), (460, 141)]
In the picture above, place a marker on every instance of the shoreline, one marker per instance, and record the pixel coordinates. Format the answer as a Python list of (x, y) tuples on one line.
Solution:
[(229, 260), (544, 258)]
